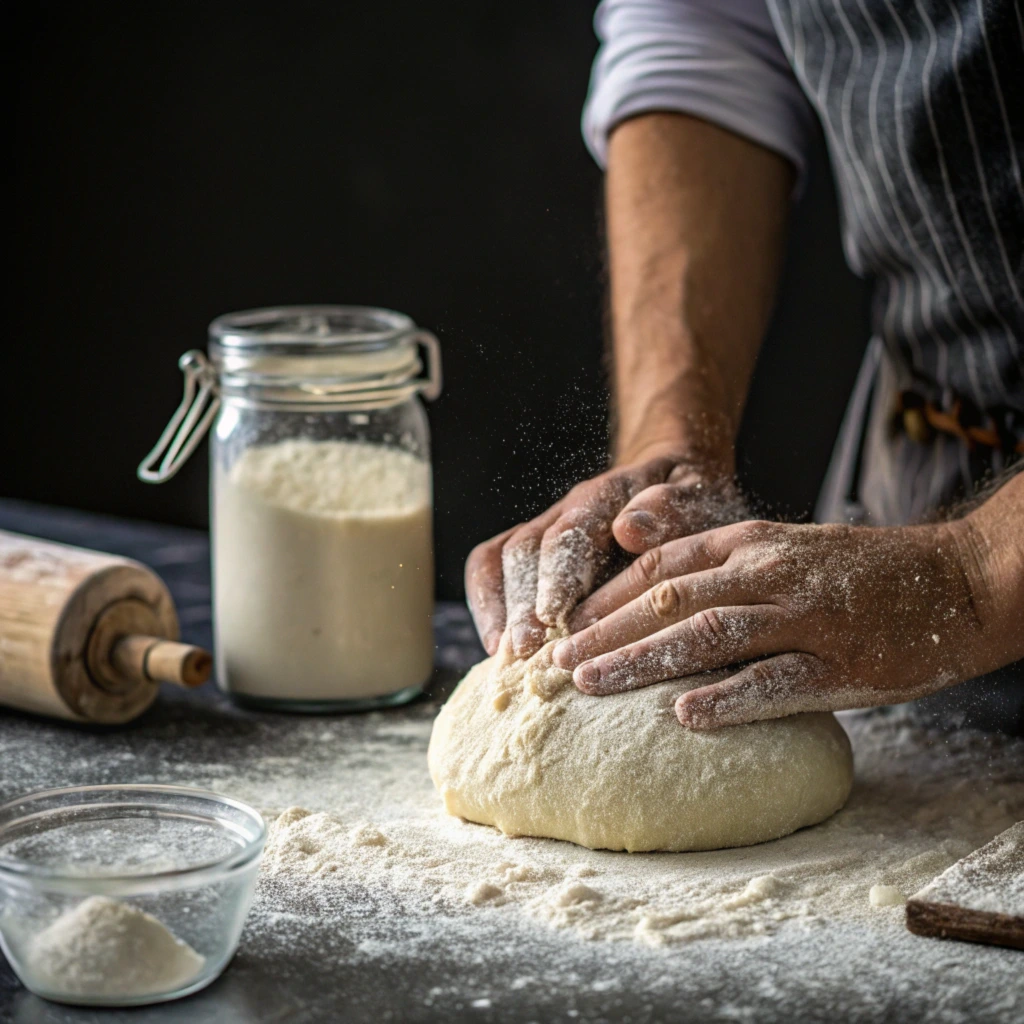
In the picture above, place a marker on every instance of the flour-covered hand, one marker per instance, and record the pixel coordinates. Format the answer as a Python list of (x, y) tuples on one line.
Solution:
[(534, 575), (814, 617)]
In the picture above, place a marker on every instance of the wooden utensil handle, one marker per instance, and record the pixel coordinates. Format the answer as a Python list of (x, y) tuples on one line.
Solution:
[(163, 661), (63, 611)]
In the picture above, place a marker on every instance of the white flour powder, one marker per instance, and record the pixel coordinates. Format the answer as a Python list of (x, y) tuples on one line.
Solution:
[(323, 571), (919, 806), (416, 913), (105, 948)]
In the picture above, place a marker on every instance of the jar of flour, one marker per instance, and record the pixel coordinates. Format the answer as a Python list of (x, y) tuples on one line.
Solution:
[(321, 505)]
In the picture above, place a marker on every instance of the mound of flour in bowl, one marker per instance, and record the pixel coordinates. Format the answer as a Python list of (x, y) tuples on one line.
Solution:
[(103, 947)]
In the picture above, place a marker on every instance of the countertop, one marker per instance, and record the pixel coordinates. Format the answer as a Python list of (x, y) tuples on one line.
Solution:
[(342, 976)]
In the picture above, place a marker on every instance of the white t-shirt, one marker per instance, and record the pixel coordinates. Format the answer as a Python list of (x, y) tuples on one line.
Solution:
[(716, 59)]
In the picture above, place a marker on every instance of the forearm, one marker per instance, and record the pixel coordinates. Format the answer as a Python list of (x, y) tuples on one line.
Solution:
[(696, 226), (991, 541)]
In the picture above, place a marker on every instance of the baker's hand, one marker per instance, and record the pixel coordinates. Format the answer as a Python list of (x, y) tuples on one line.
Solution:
[(842, 617), (533, 575)]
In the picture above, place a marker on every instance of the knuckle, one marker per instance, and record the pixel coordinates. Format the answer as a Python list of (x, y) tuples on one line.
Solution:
[(647, 568), (553, 533), (594, 641), (698, 550), (473, 562), (751, 541), (805, 669), (664, 600), (721, 543), (479, 563), (485, 548), (569, 553), (580, 527), (584, 492), (522, 544), (618, 487), (712, 552), (709, 626), (595, 503), (754, 530), (565, 530), (762, 675), (783, 676)]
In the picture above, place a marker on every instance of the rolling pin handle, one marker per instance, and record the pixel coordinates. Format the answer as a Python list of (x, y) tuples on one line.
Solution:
[(163, 661)]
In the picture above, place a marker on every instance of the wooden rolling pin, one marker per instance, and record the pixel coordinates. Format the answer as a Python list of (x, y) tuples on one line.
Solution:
[(86, 636)]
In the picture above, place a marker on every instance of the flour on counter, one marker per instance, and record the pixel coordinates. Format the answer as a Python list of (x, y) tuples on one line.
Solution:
[(103, 947), (886, 896), (772, 933), (907, 820)]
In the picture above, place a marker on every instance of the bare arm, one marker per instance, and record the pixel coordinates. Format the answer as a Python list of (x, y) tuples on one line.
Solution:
[(696, 219), (696, 226)]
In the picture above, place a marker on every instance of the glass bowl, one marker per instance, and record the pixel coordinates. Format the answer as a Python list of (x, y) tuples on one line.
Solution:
[(124, 895)]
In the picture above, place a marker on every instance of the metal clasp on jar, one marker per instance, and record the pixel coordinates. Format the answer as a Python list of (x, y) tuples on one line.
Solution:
[(190, 422)]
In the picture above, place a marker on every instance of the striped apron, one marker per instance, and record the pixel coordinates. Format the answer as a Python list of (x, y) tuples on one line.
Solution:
[(922, 105)]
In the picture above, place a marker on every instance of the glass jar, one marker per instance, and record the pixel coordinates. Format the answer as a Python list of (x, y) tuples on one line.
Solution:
[(321, 502)]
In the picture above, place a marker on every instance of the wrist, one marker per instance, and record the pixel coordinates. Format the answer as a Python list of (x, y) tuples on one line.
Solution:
[(698, 440), (994, 577), (717, 465), (675, 404)]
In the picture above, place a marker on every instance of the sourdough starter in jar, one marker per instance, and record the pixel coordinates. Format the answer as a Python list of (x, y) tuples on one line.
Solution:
[(323, 571)]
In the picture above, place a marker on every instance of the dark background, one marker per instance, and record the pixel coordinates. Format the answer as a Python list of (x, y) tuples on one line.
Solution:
[(176, 161)]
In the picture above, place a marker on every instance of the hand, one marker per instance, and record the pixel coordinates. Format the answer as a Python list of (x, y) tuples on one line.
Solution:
[(842, 617), (533, 575)]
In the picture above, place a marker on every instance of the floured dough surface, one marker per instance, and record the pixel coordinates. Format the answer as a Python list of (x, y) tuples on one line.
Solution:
[(519, 747)]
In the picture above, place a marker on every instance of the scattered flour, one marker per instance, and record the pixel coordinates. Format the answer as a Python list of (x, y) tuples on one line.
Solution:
[(416, 927), (105, 948), (909, 818), (886, 896), (481, 892)]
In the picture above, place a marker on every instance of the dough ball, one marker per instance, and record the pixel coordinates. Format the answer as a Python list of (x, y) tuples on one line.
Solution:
[(519, 747)]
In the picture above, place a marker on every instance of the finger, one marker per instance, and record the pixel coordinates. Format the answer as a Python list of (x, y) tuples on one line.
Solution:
[(485, 590), (773, 688), (676, 509), (677, 558), (579, 547), (661, 606), (713, 638), (520, 561), (574, 550)]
